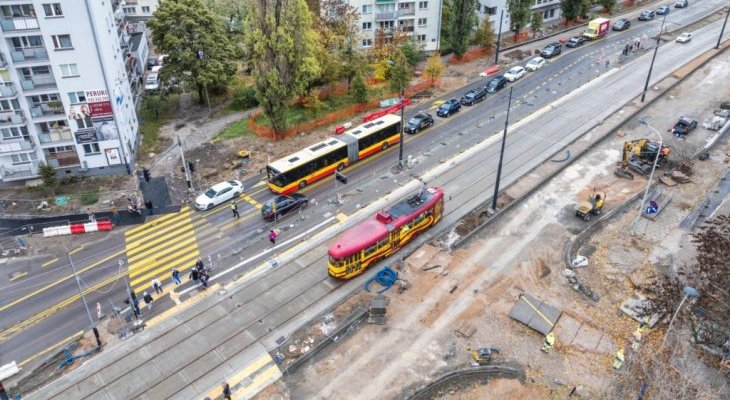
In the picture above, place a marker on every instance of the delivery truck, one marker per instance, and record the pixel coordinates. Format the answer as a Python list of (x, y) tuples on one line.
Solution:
[(597, 28)]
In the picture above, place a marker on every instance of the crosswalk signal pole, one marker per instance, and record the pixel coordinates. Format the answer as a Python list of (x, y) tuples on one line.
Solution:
[(83, 299)]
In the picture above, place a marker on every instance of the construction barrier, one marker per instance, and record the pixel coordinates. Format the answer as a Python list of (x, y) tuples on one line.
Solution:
[(77, 228), (390, 110)]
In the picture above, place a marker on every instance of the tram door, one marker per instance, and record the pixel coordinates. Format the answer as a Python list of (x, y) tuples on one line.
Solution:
[(394, 238)]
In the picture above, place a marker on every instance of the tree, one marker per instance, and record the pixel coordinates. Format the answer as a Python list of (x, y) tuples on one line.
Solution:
[(198, 50), (570, 9), (608, 5), (484, 36), (536, 22), (434, 67), (359, 90), (399, 75), (446, 15), (520, 12), (312, 102), (48, 175), (412, 52), (463, 19), (335, 24), (585, 8), (283, 50)]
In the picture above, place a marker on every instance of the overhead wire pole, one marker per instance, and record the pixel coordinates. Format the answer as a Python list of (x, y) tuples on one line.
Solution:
[(83, 299), (499, 37), (501, 153), (653, 168), (188, 179), (724, 24), (402, 124), (653, 57)]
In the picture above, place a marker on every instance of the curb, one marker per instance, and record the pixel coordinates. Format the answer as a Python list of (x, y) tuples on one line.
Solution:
[(501, 371)]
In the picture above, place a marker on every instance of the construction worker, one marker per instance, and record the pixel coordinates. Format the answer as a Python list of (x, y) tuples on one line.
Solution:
[(549, 342), (664, 154), (234, 208), (619, 359), (598, 201)]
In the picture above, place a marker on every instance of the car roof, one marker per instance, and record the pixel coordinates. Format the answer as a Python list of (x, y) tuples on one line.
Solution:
[(536, 59), (220, 185)]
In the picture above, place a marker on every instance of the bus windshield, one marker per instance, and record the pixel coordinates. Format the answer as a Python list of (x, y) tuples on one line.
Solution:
[(275, 177)]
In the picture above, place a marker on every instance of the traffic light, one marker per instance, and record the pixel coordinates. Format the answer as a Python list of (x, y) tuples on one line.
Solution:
[(341, 178), (146, 174)]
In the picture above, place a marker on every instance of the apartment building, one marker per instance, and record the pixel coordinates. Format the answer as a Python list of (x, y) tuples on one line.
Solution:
[(141, 9), (70, 76), (421, 19), (492, 9)]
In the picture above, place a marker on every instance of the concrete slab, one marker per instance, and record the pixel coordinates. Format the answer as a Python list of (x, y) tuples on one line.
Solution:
[(535, 313)]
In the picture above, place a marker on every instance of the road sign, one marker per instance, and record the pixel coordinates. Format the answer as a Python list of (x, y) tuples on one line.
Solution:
[(340, 177)]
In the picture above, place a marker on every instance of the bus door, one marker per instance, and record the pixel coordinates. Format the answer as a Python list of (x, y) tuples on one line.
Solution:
[(352, 148)]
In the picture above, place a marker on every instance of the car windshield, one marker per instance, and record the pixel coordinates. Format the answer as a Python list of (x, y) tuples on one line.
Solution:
[(493, 83), (210, 193), (414, 121), (533, 62), (469, 95)]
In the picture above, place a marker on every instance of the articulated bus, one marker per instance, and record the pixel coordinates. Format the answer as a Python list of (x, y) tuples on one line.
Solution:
[(302, 168), (372, 240)]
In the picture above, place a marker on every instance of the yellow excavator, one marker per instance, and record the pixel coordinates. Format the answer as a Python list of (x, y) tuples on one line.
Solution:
[(639, 155), (482, 355)]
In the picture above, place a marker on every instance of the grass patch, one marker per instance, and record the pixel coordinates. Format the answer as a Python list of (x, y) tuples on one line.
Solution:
[(89, 197), (156, 111), (232, 131)]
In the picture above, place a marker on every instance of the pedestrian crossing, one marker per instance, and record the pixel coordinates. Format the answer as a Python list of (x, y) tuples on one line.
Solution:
[(155, 248)]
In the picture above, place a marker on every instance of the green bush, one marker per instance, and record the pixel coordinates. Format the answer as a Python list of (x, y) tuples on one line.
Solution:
[(244, 98), (89, 197)]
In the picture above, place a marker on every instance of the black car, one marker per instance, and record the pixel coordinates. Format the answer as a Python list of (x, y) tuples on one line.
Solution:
[(663, 10), (551, 50), (282, 205), (576, 41), (646, 15), (449, 107), (152, 62), (474, 96), (684, 125), (418, 123), (622, 25), (497, 83)]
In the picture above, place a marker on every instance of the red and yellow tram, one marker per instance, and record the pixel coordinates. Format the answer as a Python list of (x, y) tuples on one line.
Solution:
[(379, 237)]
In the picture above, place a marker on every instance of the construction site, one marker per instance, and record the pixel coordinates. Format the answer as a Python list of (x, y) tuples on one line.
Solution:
[(564, 294)]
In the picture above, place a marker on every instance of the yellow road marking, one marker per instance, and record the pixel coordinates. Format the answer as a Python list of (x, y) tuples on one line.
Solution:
[(236, 221), (439, 102), (341, 217), (179, 263), (156, 221), (255, 386), (242, 374), (179, 307), (76, 250), (259, 183), (47, 263), (155, 226), (174, 251), (20, 275), (154, 245), (43, 289), (59, 344)]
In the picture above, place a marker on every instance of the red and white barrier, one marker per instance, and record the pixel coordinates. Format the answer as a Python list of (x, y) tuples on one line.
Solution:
[(76, 228)]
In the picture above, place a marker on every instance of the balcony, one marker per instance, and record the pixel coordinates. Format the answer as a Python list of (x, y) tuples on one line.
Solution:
[(46, 110), (19, 24), (7, 89), (405, 12), (9, 118), (3, 63), (407, 28), (38, 82), (64, 159), (385, 16), (16, 146), (56, 136), (23, 171), (30, 54)]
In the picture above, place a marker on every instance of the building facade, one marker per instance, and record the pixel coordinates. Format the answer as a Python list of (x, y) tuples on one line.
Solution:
[(139, 8), (70, 77), (492, 9), (421, 19)]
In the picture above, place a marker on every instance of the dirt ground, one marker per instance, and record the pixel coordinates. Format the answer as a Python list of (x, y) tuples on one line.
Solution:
[(524, 252)]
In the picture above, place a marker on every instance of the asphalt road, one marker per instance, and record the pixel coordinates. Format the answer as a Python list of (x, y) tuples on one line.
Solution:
[(43, 308)]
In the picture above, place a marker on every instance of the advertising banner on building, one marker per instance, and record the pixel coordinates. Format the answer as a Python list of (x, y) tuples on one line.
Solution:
[(105, 128), (86, 135), (112, 156)]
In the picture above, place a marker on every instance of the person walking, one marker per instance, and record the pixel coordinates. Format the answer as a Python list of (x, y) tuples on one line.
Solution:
[(226, 390), (234, 208), (149, 206), (549, 342), (157, 285), (115, 214), (199, 265), (147, 300), (272, 236), (194, 275), (176, 276), (204, 279)]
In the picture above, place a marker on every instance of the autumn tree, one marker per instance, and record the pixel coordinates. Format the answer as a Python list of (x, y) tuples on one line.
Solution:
[(570, 9), (335, 25), (283, 49), (399, 74), (536, 22), (358, 89), (463, 19), (199, 52), (484, 36), (520, 12), (434, 67)]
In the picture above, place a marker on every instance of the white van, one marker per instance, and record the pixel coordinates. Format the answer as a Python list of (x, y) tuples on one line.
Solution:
[(152, 82)]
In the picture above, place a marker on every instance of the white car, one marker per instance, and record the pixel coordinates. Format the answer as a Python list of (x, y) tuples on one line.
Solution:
[(514, 73), (218, 193), (684, 37), (152, 82), (535, 64)]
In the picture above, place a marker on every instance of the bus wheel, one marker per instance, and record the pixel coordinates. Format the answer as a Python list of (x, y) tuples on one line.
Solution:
[(340, 166), (384, 146), (302, 184)]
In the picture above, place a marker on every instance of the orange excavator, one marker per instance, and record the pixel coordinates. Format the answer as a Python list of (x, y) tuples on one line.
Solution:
[(638, 156)]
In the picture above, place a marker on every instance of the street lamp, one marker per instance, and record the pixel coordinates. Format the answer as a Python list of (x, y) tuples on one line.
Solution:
[(643, 121), (719, 39), (83, 299), (402, 118), (501, 153), (688, 292), (499, 37)]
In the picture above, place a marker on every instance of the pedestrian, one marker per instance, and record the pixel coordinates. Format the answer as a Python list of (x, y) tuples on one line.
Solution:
[(176, 276), (149, 206), (115, 214), (626, 50), (204, 279), (272, 236), (638, 43), (135, 305), (631, 47), (199, 265), (92, 218), (234, 208), (619, 359), (549, 342), (607, 63), (637, 341), (194, 275), (226, 390), (157, 285), (147, 300)]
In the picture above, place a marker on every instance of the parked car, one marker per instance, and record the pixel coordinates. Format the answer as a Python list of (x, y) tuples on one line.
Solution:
[(153, 82), (535, 64), (418, 123), (681, 4), (218, 193), (474, 96), (449, 107), (281, 205), (684, 125), (576, 41), (621, 25), (663, 10), (684, 37), (551, 50), (514, 73), (152, 61), (646, 15), (496, 83)]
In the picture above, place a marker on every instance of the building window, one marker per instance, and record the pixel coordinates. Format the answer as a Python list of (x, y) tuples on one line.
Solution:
[(422, 22), (366, 26), (423, 5), (14, 133), (552, 13), (367, 8), (367, 42), (18, 11), (45, 127), (76, 97), (420, 38), (91, 148), (129, 10), (53, 10), (146, 9), (68, 70), (23, 158), (540, 1), (490, 10), (62, 42)]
